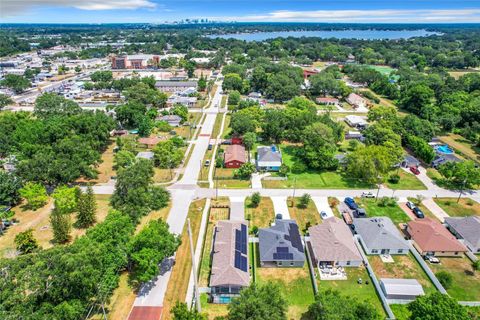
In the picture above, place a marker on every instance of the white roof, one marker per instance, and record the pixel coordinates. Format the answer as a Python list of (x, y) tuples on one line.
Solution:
[(410, 287), (355, 119)]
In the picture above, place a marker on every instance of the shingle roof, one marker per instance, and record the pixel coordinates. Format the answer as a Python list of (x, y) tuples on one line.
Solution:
[(265, 153), (431, 235), (283, 234), (224, 271), (333, 241), (468, 228), (176, 84), (380, 233), (235, 152), (409, 287)]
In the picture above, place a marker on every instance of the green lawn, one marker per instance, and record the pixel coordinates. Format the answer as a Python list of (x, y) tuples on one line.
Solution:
[(465, 207), (400, 311), (374, 210), (408, 181), (466, 284), (227, 179), (350, 287), (312, 179), (305, 217), (295, 285), (212, 310)]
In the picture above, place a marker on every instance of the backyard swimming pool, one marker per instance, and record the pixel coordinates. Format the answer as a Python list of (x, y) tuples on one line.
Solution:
[(444, 149)]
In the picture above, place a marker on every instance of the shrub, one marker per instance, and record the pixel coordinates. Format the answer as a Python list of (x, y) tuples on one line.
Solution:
[(304, 201), (255, 230), (256, 198), (394, 178), (445, 279), (299, 167), (35, 194), (25, 242), (163, 126)]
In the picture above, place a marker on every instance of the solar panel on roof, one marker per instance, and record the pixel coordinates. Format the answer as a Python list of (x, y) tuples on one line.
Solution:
[(243, 263), (243, 245), (238, 240), (295, 238)]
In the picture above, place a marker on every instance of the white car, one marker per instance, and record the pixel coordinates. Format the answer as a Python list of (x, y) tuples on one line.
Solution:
[(433, 259), (410, 205), (368, 195)]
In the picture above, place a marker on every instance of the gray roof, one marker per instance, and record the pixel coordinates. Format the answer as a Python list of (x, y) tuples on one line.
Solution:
[(411, 160), (380, 233), (224, 272), (185, 84), (403, 287), (145, 155), (284, 234), (467, 227), (170, 117), (265, 153)]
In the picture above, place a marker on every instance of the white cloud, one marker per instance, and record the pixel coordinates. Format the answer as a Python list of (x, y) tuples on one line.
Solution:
[(358, 16), (17, 7)]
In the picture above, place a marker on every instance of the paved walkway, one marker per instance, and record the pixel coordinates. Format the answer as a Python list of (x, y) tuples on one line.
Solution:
[(280, 206), (257, 180), (435, 209), (237, 208), (322, 205)]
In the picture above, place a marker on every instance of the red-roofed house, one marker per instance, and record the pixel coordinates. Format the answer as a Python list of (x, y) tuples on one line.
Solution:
[(150, 142), (234, 156), (432, 238)]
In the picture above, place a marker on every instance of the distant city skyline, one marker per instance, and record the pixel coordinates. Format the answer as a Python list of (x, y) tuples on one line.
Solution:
[(159, 11)]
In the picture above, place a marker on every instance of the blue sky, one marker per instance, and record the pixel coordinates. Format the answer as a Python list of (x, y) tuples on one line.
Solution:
[(158, 11)]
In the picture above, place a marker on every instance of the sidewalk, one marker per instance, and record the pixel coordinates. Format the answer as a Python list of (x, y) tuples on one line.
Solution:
[(435, 209)]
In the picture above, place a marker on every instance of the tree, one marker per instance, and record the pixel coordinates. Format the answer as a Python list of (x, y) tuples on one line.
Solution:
[(232, 81), (51, 104), (123, 159), (159, 197), (202, 83), (330, 305), (16, 83), (319, 146), (181, 312), (274, 125), (417, 99), (101, 76), (249, 140), (78, 69), (181, 111), (304, 201), (445, 279), (245, 171), (25, 242), (145, 126), (255, 200), (61, 226), (233, 98), (241, 123), (437, 306), (461, 174), (420, 148), (258, 302), (9, 189), (167, 155), (5, 101), (476, 265), (65, 199), (148, 248), (86, 209), (35, 194)]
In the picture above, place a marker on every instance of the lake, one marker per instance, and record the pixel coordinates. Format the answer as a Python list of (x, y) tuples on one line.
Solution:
[(371, 34)]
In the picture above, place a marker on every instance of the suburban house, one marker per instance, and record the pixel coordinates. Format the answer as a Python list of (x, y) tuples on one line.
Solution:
[(281, 245), (269, 158), (401, 289), (328, 101), (234, 156), (431, 238), (149, 155), (331, 244), (171, 119), (173, 86), (467, 229), (444, 158), (230, 272), (174, 99), (355, 121), (356, 100), (380, 236), (149, 142)]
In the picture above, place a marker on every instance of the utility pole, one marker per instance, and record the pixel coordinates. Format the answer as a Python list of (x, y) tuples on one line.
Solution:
[(294, 187), (195, 281), (461, 190)]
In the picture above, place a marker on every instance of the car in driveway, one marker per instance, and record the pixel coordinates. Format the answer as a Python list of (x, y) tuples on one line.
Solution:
[(323, 214), (351, 203), (431, 259), (368, 194), (418, 213), (415, 170), (207, 163), (410, 205)]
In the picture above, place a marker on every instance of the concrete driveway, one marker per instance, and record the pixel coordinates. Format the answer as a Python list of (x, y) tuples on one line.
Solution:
[(237, 208), (322, 205), (280, 206), (435, 209)]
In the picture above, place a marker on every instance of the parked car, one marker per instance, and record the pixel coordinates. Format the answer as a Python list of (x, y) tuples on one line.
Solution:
[(323, 214), (360, 213), (207, 163), (210, 147), (415, 170), (410, 205), (432, 259), (368, 194), (351, 203), (418, 213), (279, 216)]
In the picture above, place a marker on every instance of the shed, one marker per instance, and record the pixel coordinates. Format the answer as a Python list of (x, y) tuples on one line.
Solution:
[(401, 289)]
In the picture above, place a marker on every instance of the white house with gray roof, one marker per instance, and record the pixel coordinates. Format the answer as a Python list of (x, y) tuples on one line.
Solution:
[(380, 236), (230, 271), (269, 158), (281, 245), (467, 229)]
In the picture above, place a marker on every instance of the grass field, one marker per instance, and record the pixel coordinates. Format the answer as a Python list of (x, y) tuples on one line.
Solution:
[(385, 70), (458, 73), (180, 276), (227, 180), (295, 284), (374, 210), (404, 267), (466, 284), (408, 181), (212, 310), (261, 216), (305, 217), (465, 207), (401, 311), (350, 287)]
